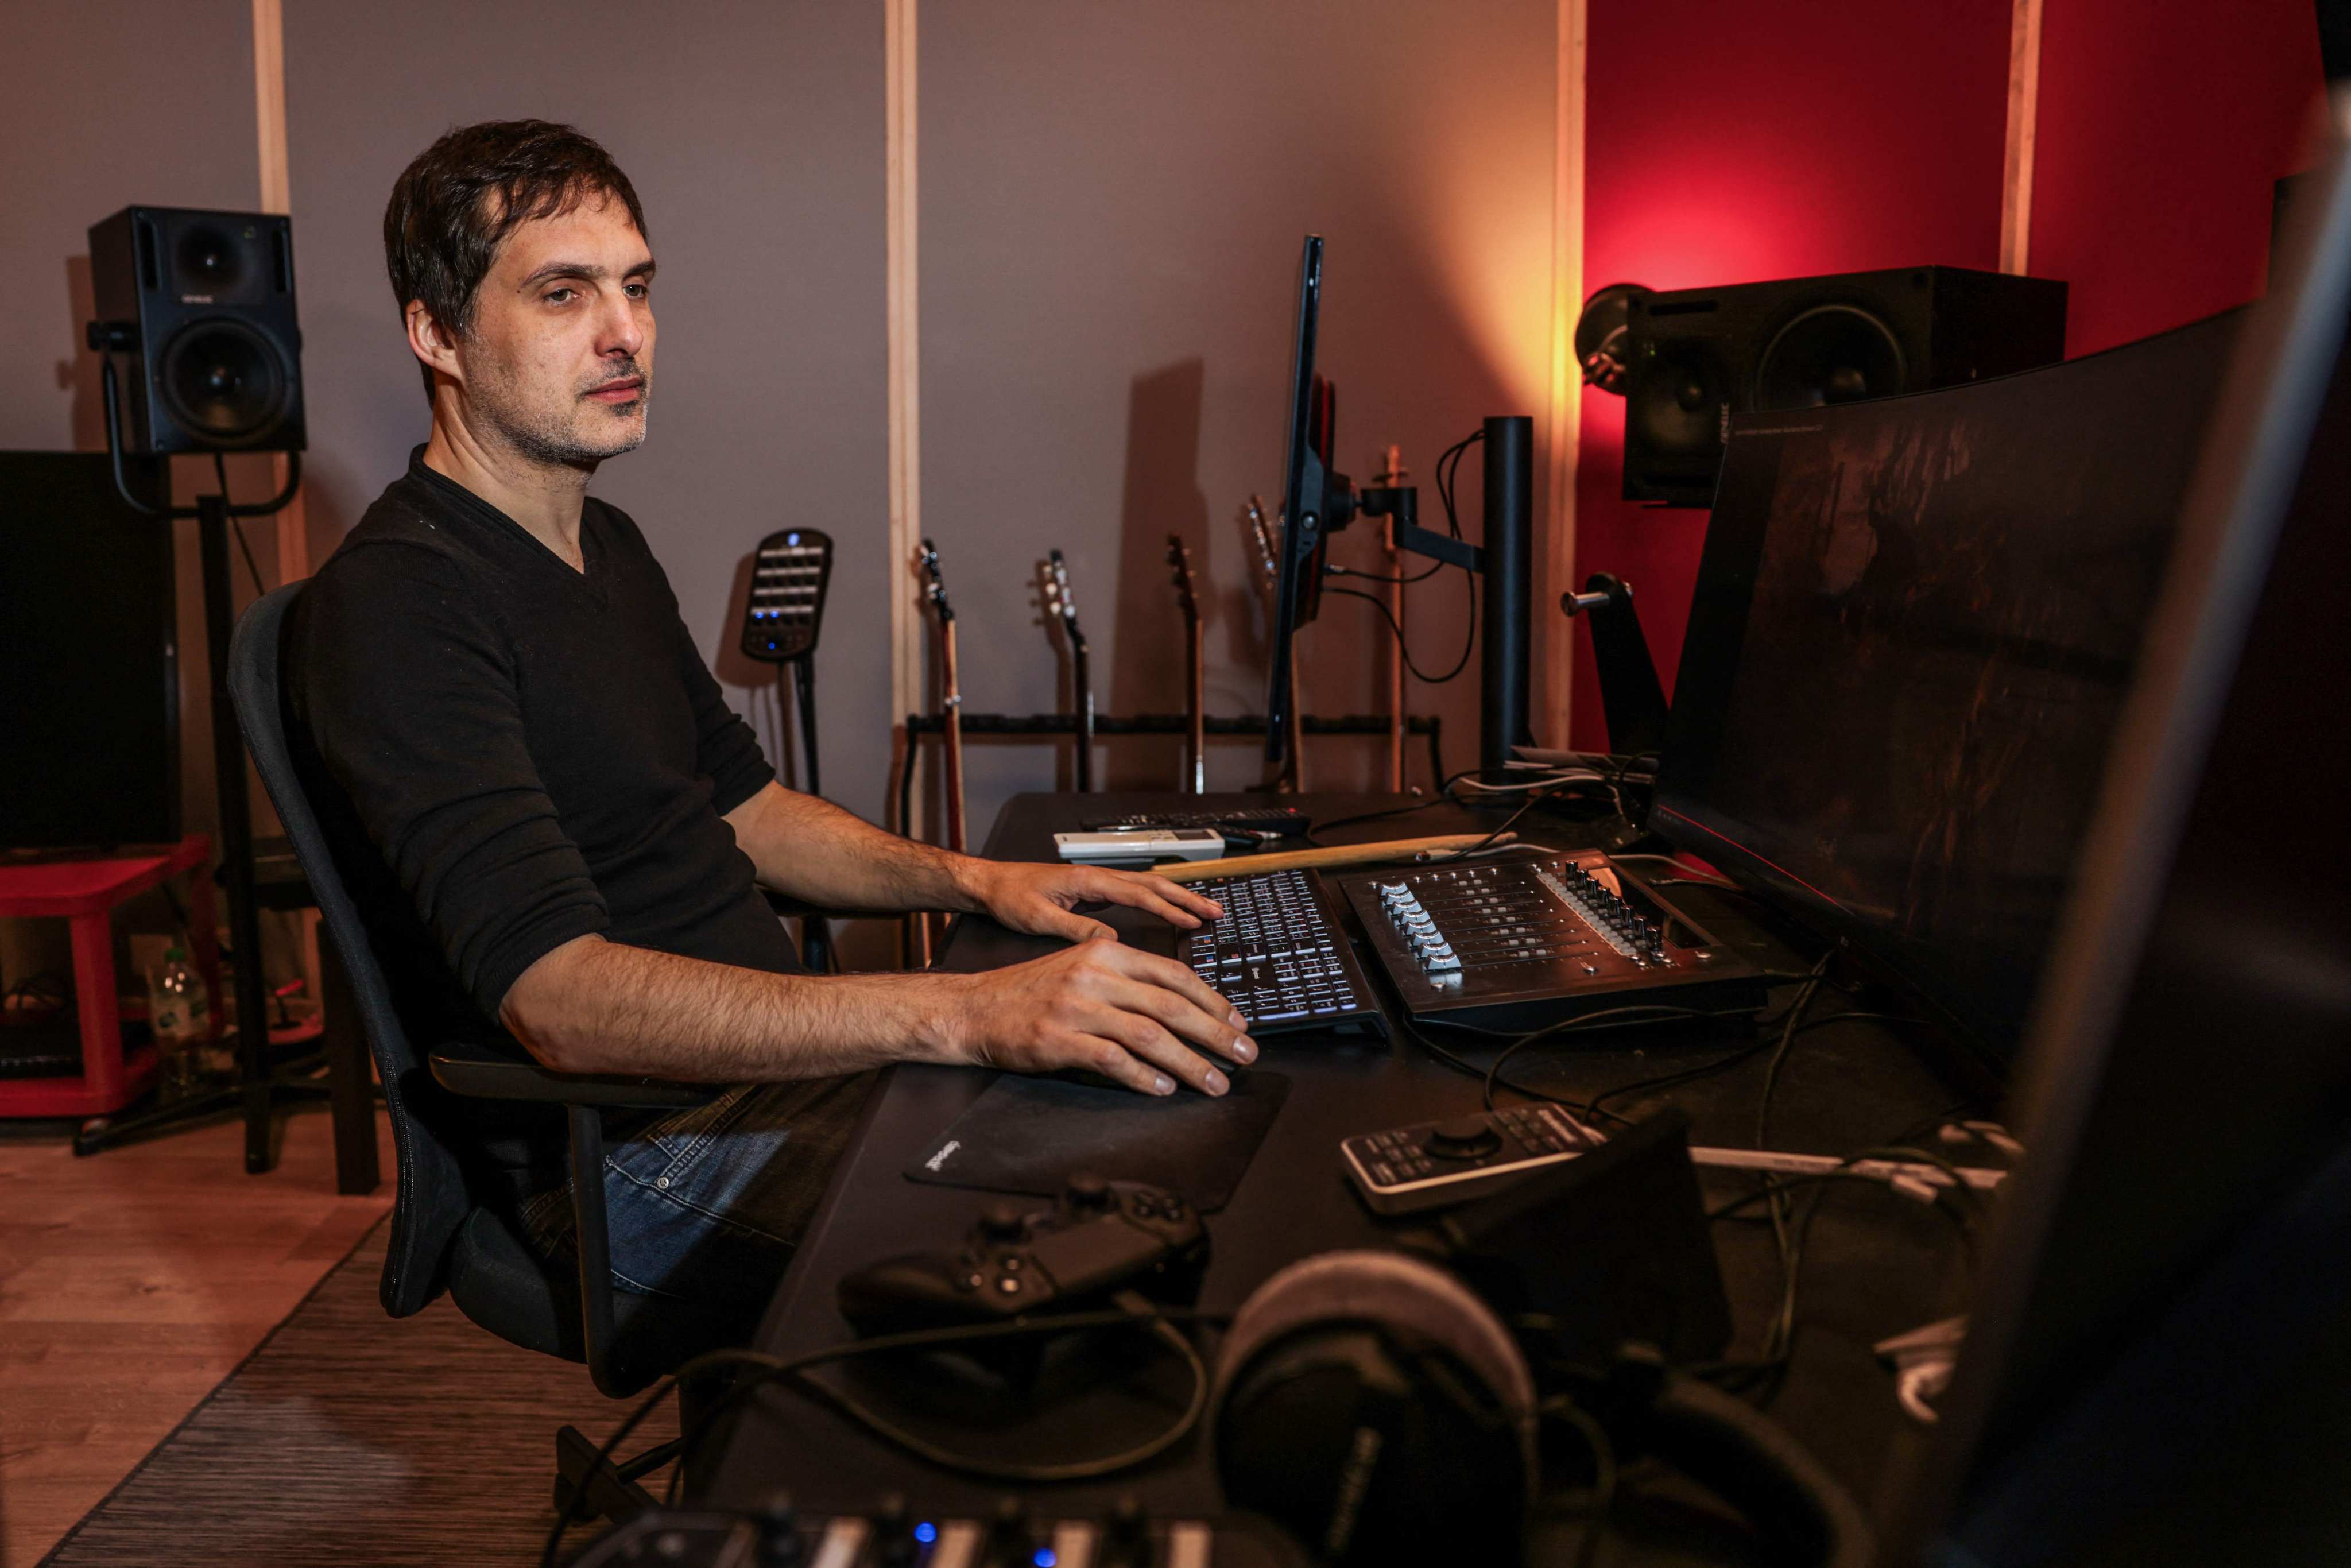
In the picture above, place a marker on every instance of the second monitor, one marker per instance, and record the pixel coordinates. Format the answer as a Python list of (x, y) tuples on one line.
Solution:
[(1318, 502)]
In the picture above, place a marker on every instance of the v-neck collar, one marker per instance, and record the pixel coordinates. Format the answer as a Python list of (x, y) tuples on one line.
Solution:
[(586, 573)]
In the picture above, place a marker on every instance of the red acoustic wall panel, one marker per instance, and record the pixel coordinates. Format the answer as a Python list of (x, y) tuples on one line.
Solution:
[(2164, 125), (1729, 143)]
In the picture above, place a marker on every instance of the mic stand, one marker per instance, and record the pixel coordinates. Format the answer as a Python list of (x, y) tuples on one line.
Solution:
[(257, 1090), (816, 933), (1502, 560)]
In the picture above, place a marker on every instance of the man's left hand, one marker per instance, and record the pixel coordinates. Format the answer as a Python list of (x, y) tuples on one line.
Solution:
[(1042, 900)]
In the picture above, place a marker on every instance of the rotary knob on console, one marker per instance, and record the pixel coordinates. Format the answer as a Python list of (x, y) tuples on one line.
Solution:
[(1461, 1138), (1088, 1193), (1003, 1222)]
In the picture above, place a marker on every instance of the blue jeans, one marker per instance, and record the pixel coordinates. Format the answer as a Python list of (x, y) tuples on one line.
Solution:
[(707, 1203)]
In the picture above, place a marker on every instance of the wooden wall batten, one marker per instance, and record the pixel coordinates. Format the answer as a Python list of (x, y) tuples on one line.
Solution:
[(2024, 123), (1554, 635), (904, 295), (269, 136)]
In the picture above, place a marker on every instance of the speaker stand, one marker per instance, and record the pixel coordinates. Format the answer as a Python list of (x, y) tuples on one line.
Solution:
[(260, 1087)]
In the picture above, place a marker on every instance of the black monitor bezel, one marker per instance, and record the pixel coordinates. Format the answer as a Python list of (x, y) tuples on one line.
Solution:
[(1823, 911), (1301, 504), (2100, 1102)]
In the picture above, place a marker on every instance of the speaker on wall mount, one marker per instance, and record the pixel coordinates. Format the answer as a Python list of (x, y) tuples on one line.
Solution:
[(1694, 357), (199, 305)]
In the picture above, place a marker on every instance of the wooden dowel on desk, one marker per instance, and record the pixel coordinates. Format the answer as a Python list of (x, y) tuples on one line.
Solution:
[(1326, 859)]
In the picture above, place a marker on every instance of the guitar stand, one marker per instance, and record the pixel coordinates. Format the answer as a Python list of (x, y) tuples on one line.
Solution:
[(816, 935), (1053, 725)]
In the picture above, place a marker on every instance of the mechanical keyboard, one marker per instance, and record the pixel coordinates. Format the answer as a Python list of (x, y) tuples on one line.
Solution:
[(1279, 957)]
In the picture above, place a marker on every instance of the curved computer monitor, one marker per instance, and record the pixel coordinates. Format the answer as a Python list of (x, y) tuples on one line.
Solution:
[(2157, 1363), (1306, 452), (1915, 624)]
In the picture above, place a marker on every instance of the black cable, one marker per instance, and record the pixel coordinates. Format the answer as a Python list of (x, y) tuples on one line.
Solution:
[(1404, 648), (1334, 569), (220, 470), (1603, 1473), (1443, 796), (1809, 1178), (768, 1369), (1788, 1032), (1645, 1011), (1743, 1053)]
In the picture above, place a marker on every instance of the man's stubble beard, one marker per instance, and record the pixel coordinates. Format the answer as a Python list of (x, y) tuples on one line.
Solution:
[(546, 438)]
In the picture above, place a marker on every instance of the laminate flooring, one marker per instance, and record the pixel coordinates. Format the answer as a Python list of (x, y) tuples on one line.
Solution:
[(130, 1283)]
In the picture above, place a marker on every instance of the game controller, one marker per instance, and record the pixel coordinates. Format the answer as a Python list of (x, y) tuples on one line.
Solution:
[(1100, 1237)]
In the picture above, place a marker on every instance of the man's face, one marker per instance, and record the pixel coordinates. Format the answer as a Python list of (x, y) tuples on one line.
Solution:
[(560, 359)]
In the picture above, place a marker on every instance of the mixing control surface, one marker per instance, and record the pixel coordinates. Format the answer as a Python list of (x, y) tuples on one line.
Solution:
[(1517, 945)]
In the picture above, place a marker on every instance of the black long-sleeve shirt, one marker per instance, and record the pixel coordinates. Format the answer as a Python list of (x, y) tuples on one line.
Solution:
[(529, 754)]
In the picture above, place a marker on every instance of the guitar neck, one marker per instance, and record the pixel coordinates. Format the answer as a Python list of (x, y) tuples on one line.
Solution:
[(951, 737), (1196, 702)]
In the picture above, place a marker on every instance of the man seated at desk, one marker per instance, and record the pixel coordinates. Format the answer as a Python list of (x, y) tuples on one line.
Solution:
[(557, 831)]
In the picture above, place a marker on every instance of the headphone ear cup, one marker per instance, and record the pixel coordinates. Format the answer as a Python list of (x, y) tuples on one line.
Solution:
[(1379, 1410)]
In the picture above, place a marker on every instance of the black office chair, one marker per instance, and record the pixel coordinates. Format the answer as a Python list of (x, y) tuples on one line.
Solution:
[(444, 1234)]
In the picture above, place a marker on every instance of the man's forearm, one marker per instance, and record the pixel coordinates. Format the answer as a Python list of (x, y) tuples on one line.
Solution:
[(593, 1006), (813, 851)]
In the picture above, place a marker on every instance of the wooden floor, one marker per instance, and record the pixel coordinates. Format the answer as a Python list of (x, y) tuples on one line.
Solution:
[(131, 1283)]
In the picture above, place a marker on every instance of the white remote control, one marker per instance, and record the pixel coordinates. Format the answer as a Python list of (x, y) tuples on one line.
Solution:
[(1152, 844)]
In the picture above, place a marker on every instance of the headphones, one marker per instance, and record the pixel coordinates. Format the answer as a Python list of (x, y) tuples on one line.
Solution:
[(1371, 1405)]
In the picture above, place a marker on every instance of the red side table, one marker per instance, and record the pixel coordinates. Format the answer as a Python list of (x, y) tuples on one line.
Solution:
[(86, 893)]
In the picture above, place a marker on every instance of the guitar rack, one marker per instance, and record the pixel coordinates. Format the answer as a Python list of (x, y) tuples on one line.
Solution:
[(1054, 726)]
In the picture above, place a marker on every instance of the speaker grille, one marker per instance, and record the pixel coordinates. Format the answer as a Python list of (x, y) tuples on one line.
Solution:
[(224, 381), (1833, 354)]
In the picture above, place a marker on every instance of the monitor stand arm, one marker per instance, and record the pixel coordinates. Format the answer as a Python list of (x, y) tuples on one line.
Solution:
[(1630, 693), (1502, 560)]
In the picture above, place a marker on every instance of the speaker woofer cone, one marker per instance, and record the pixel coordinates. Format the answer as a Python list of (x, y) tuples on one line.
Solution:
[(224, 382), (1831, 353)]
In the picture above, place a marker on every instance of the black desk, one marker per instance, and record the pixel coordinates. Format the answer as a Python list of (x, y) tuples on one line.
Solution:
[(1877, 1264)]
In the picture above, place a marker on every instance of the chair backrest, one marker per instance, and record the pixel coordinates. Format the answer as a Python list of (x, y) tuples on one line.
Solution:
[(432, 1200)]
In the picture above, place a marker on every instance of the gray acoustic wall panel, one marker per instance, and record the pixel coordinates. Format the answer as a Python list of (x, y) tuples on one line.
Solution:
[(1113, 201), (754, 136)]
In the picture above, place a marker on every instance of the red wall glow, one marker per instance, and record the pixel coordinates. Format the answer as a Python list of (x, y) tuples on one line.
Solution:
[(2164, 126), (1731, 143)]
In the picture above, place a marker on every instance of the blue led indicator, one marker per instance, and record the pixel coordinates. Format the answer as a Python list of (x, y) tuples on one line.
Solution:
[(791, 539), (1044, 1558), (926, 1532)]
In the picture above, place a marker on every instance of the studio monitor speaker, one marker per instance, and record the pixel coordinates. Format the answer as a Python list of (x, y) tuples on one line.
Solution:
[(1697, 356), (200, 308)]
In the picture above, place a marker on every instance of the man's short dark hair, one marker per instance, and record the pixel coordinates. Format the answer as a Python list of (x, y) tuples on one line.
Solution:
[(456, 204)]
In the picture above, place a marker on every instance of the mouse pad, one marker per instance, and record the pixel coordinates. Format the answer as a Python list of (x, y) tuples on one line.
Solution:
[(1031, 1134)]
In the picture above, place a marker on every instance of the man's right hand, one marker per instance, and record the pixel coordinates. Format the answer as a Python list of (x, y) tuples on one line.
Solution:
[(1146, 1021)]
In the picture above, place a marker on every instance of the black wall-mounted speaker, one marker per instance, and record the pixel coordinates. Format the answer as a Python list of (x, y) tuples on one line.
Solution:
[(200, 308), (1697, 356)]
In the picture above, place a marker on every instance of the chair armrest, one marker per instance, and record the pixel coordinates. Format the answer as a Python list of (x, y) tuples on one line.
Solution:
[(481, 1073)]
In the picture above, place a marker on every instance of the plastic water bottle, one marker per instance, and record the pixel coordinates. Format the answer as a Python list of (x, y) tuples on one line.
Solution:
[(179, 1011)]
